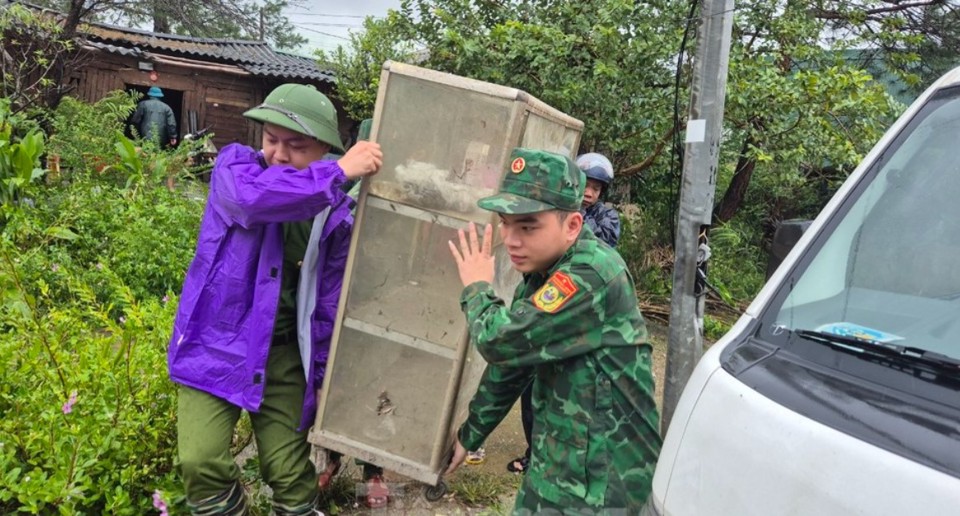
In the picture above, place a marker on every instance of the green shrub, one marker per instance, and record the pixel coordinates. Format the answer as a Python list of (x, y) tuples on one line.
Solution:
[(649, 262), (90, 141), (71, 330), (88, 271), (84, 134), (737, 261), (714, 328), (146, 237), (19, 155), (89, 413)]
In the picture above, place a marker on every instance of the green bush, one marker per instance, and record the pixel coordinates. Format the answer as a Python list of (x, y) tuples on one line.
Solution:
[(19, 155), (88, 271), (90, 142), (112, 200), (147, 237), (736, 267), (737, 261), (84, 134), (649, 262), (714, 328), (89, 413)]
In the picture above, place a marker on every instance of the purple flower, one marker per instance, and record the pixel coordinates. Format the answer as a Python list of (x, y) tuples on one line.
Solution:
[(159, 504), (165, 299), (68, 406)]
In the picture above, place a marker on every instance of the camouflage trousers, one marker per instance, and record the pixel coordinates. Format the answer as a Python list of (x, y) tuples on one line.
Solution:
[(529, 503)]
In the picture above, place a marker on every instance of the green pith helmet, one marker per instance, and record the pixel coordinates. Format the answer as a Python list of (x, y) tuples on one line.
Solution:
[(365, 127), (538, 181), (302, 109)]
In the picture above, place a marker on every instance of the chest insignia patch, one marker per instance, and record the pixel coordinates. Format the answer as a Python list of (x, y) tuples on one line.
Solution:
[(555, 293)]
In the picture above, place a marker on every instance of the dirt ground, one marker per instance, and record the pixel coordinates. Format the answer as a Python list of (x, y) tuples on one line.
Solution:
[(503, 445)]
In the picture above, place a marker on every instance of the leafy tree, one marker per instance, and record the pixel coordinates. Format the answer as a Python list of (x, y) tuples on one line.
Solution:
[(601, 61), (358, 71), (33, 53), (798, 113), (793, 105), (901, 30), (826, 54), (941, 51), (241, 19), (803, 106)]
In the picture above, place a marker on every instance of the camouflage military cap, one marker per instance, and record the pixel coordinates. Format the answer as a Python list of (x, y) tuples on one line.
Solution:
[(537, 181)]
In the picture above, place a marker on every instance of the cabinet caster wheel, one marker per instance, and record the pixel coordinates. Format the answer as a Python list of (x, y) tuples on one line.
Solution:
[(434, 493)]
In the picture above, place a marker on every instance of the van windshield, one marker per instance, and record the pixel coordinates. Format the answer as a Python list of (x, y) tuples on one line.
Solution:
[(889, 270)]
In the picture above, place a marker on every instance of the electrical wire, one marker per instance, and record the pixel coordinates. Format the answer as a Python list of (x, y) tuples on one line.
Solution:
[(323, 33), (326, 15), (322, 24)]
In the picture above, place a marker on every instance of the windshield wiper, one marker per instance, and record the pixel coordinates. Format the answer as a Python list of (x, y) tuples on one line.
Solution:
[(903, 353)]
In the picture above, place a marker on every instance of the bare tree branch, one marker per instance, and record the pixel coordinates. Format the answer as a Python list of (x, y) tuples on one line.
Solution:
[(649, 160), (831, 14)]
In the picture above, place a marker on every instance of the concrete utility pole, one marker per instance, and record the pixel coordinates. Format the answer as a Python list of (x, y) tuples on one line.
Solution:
[(702, 152)]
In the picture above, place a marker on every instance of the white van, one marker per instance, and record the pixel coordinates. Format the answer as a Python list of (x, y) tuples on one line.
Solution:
[(838, 391)]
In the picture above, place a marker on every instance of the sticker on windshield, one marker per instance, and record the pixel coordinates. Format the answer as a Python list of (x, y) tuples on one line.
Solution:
[(846, 329)]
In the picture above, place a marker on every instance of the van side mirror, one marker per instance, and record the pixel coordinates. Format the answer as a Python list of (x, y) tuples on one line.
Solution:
[(787, 235)]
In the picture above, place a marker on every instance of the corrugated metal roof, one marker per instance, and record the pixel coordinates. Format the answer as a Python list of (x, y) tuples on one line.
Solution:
[(255, 57), (113, 49)]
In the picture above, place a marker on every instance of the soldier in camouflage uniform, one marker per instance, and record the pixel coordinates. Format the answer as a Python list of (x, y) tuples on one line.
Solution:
[(575, 331)]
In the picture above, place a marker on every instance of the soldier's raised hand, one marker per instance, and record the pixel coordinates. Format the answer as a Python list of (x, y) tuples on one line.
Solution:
[(363, 159), (474, 261)]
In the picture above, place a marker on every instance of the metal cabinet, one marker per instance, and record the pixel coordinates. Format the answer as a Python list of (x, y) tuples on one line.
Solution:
[(401, 372)]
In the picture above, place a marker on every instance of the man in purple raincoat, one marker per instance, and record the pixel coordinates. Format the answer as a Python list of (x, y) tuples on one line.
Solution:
[(256, 314)]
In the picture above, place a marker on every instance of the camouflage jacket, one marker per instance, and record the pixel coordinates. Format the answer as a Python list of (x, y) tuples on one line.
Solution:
[(604, 221), (576, 332)]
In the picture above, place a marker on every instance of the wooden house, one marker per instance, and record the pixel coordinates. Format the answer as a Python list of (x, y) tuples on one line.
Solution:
[(209, 83)]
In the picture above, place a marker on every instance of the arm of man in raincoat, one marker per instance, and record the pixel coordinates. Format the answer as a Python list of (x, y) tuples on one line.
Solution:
[(246, 193)]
